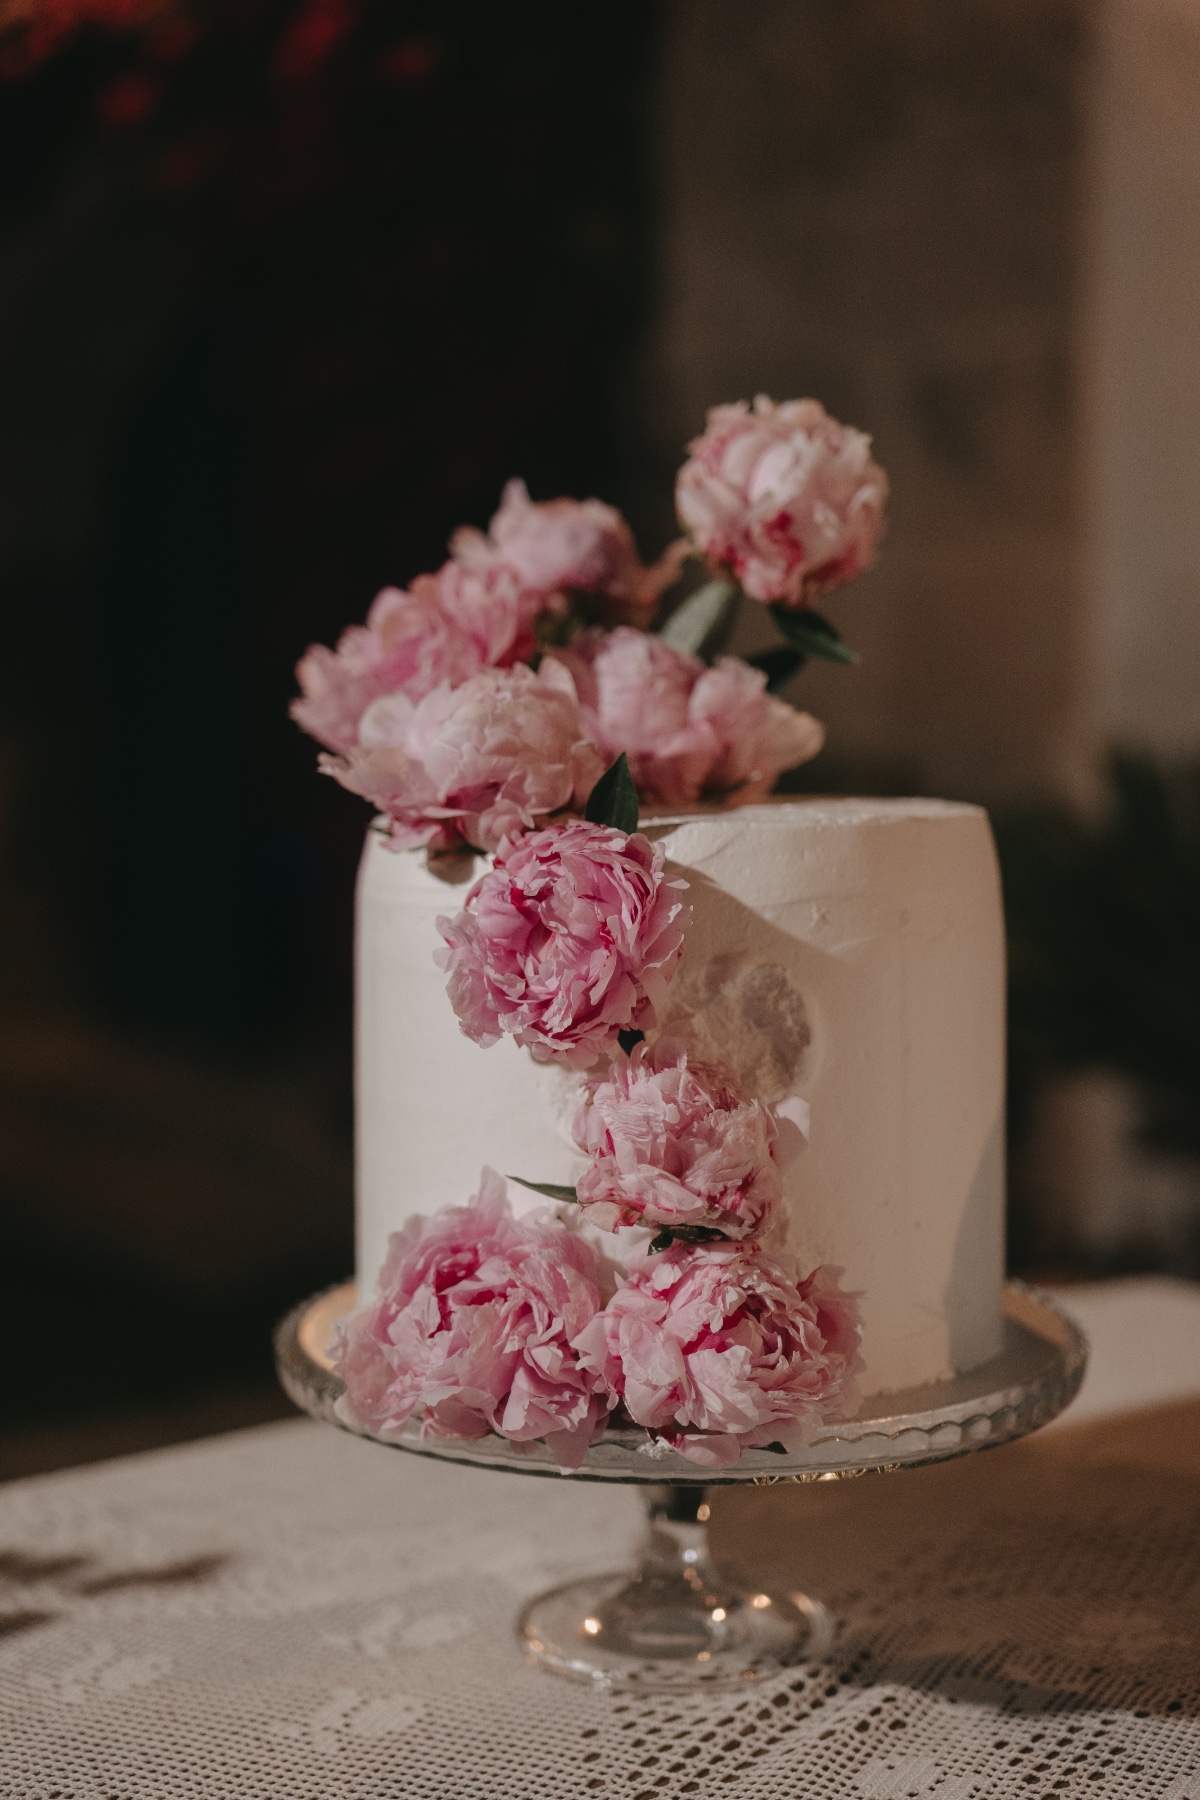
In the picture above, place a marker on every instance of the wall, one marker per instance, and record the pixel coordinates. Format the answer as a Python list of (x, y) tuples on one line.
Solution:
[(881, 204), (1142, 437)]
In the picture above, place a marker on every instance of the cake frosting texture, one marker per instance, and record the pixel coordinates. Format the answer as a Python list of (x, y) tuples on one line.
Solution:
[(848, 952)]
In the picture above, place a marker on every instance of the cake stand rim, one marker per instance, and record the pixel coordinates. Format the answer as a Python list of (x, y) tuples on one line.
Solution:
[(1015, 1396)]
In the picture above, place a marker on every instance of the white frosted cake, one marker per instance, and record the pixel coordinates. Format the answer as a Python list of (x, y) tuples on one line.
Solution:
[(848, 952)]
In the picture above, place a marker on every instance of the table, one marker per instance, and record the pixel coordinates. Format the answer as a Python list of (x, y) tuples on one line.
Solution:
[(290, 1613)]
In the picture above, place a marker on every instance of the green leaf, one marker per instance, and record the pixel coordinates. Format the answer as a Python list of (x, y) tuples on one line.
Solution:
[(552, 1189), (812, 635), (779, 665), (685, 1234), (629, 1040), (613, 801), (702, 623)]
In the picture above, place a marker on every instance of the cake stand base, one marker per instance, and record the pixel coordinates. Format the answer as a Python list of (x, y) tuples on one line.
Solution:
[(676, 1622)]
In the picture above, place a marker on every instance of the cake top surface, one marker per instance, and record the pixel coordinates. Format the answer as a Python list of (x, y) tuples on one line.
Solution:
[(821, 810)]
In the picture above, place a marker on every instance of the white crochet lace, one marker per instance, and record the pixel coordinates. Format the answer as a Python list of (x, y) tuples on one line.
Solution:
[(293, 1614)]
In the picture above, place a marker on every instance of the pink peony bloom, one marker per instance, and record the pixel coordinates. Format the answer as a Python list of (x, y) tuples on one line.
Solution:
[(567, 940), (408, 645), (495, 609), (446, 628), (673, 1145), (555, 544), (472, 764), (471, 1328), (719, 1348), (689, 732), (786, 497)]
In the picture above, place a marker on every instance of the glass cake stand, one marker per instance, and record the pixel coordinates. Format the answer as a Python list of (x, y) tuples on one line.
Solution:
[(675, 1621)]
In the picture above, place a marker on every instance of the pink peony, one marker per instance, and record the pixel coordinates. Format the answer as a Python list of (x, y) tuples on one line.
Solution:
[(567, 940), (555, 544), (472, 1326), (689, 732), (473, 764), (673, 1145), (407, 646), (786, 497), (446, 628), (495, 609), (719, 1348)]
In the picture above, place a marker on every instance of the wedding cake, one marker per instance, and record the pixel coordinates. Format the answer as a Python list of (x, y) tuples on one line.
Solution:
[(849, 952), (679, 1107)]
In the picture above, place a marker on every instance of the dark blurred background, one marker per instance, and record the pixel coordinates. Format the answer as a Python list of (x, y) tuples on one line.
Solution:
[(288, 289)]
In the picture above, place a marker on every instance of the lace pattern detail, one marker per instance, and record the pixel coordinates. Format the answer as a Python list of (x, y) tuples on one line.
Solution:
[(294, 1614)]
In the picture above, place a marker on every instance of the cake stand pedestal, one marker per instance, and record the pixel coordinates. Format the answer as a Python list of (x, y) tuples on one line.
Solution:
[(675, 1621)]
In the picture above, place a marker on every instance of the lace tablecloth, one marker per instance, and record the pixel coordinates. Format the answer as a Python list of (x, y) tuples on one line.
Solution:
[(293, 1614)]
